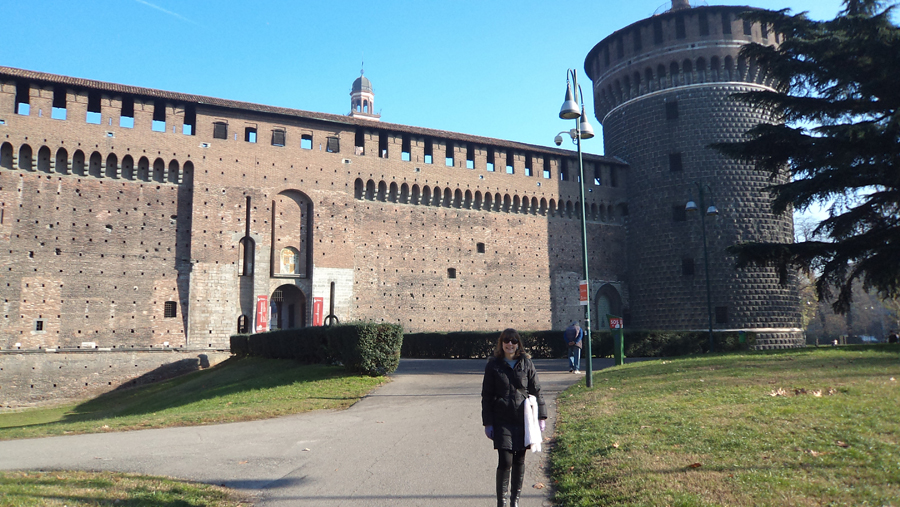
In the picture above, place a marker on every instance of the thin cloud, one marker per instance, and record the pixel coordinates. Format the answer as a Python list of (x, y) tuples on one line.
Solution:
[(170, 13)]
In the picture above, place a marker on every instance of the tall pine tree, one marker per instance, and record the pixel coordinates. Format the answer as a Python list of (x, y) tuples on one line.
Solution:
[(839, 142)]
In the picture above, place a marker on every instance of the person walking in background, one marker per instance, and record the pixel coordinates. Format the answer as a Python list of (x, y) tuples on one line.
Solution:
[(573, 335), (509, 378)]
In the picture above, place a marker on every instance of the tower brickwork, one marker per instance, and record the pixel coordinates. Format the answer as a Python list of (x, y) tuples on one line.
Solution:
[(662, 90)]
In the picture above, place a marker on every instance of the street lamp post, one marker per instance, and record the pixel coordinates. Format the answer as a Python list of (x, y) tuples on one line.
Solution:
[(711, 211), (573, 109)]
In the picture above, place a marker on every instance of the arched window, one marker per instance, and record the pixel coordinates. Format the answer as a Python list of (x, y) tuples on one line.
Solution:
[(404, 194), (78, 163), (62, 161), (112, 166), (43, 159), (6, 158), (370, 190), (173, 172), (128, 168), (247, 256), (358, 189), (159, 169), (25, 162), (95, 168)]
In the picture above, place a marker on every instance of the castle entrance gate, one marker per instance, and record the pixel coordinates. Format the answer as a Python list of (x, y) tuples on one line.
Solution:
[(288, 308)]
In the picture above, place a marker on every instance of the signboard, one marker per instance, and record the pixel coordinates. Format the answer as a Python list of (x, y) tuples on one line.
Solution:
[(583, 292), (615, 322), (318, 311), (262, 314)]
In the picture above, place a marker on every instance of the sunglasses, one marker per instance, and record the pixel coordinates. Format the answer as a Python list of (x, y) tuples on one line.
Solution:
[(511, 340)]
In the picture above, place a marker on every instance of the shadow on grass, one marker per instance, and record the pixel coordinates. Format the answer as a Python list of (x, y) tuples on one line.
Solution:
[(230, 377)]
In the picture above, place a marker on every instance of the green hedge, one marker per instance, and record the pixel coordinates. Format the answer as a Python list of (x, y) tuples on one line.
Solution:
[(362, 347), (640, 343), (550, 344)]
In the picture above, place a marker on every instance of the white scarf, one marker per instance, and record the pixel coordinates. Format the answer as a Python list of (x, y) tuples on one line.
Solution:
[(532, 427)]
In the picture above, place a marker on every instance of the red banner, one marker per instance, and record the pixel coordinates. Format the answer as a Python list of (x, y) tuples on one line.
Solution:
[(318, 311), (616, 322), (262, 314), (583, 292)]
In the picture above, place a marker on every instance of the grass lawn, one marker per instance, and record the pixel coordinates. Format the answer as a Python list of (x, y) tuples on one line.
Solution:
[(235, 390), (77, 489), (798, 427)]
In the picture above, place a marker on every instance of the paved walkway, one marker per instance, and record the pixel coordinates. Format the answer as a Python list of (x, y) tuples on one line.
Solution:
[(416, 441)]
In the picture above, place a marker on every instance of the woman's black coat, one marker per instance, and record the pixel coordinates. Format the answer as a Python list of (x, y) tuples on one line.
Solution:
[(503, 394)]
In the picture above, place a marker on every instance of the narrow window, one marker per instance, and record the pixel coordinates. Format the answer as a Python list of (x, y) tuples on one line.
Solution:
[(704, 24), (243, 325), (382, 144), (429, 153), (657, 32), (39, 325), (620, 48), (546, 171), (159, 117), (93, 108), (764, 31), (220, 130), (613, 177), (687, 266), (359, 142), (638, 46), (451, 272), (748, 27), (249, 134), (306, 141), (405, 148), (726, 23), (126, 118), (598, 176), (490, 159), (675, 162), (528, 165), (672, 110), (170, 309), (470, 156), (23, 97), (510, 162), (278, 137), (449, 155), (679, 214), (680, 32), (333, 145), (59, 103), (563, 170), (190, 121), (721, 315), (479, 247)]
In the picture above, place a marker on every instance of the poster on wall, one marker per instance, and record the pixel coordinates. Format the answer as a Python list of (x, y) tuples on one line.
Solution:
[(262, 314), (318, 311)]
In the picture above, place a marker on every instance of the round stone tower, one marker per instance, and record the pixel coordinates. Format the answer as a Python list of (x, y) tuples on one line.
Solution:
[(662, 91)]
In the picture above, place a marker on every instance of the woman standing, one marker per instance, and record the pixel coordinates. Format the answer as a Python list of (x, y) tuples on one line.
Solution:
[(509, 378)]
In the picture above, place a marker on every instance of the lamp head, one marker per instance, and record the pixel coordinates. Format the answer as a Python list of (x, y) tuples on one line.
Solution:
[(587, 131), (691, 206), (569, 109), (712, 210)]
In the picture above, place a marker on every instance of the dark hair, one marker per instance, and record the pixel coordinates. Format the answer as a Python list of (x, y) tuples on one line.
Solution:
[(509, 333)]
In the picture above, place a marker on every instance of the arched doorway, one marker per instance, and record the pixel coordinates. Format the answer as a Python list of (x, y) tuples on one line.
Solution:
[(287, 308), (609, 302)]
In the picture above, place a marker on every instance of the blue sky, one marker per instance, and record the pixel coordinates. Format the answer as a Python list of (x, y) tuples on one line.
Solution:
[(489, 68)]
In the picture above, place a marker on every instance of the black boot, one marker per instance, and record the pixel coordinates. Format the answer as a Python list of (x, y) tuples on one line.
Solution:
[(518, 477), (502, 487)]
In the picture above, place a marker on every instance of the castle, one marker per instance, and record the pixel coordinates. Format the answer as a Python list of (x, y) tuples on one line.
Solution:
[(135, 217)]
